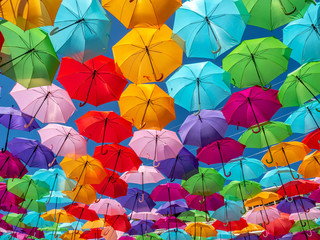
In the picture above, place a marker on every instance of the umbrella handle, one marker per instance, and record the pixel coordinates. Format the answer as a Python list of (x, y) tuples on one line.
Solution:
[(203, 200), (172, 179), (219, 46), (285, 11), (28, 125), (243, 211), (310, 233), (156, 165), (295, 178), (50, 164), (226, 224), (306, 211), (142, 198), (246, 190), (159, 79), (317, 109), (207, 218), (289, 199), (98, 200), (142, 125), (265, 235), (54, 31), (266, 88), (197, 113), (259, 129), (224, 171), (303, 224)]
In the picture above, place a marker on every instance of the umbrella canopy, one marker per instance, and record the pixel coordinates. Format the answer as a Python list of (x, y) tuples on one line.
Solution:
[(169, 222), (296, 204), (311, 140), (279, 227), (82, 193), (10, 166), (231, 226), (8, 198), (201, 230), (152, 215), (262, 198), (312, 214), (27, 57), (211, 203), (147, 106), (199, 86), (118, 222), (262, 215), (168, 192), (193, 216), (109, 207), (231, 211), (257, 56), (81, 30), (310, 166), (141, 227), (298, 187), (173, 207), (303, 235), (58, 216), (278, 177), (175, 234)]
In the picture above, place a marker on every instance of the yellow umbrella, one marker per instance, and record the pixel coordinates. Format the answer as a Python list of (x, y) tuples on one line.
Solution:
[(262, 198), (82, 193), (201, 230), (95, 224), (72, 235), (58, 216), (147, 106), (310, 166), (84, 169), (141, 13), (27, 14), (251, 228), (147, 54)]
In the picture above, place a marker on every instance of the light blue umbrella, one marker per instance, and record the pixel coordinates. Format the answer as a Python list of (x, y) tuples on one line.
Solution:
[(71, 226), (33, 219), (175, 234), (51, 235), (303, 36), (81, 29), (208, 27), (278, 177), (199, 86), (231, 211), (224, 235), (57, 197), (54, 177), (306, 118)]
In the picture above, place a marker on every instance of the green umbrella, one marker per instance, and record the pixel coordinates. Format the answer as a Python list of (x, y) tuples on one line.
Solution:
[(257, 62), (271, 14), (300, 85), (27, 188), (149, 236), (34, 205), (27, 57), (15, 220), (53, 228), (308, 224), (194, 216)]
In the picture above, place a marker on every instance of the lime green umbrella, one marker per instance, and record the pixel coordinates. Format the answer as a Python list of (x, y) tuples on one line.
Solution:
[(34, 205), (27, 188), (15, 220), (53, 228), (149, 236), (307, 225), (194, 216), (27, 57), (301, 85), (257, 62), (271, 14)]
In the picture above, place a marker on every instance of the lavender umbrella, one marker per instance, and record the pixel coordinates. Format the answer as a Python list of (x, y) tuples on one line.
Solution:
[(183, 166), (296, 204), (141, 227), (203, 129), (175, 208)]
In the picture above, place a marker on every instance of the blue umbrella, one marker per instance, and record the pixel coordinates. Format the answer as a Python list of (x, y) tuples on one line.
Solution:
[(183, 166), (81, 29), (175, 234), (141, 227), (54, 177), (71, 226), (306, 118), (199, 86), (278, 177), (176, 207), (224, 235), (303, 36), (34, 220), (231, 211), (208, 27)]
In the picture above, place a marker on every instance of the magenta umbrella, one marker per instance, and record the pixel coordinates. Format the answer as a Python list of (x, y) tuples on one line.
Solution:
[(251, 106), (211, 203), (7, 197), (221, 151), (169, 222), (10, 166), (315, 195)]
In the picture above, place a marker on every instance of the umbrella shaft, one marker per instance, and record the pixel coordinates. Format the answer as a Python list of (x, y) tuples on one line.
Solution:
[(29, 51), (9, 125)]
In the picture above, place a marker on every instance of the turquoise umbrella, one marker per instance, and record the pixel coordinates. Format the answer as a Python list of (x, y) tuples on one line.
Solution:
[(175, 234), (81, 29), (278, 177), (208, 27), (231, 211), (34, 219), (199, 86)]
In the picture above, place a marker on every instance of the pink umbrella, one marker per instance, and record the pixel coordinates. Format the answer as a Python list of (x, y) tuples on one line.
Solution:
[(63, 140), (7, 198), (314, 213), (211, 203), (168, 192), (262, 214), (48, 103), (109, 207), (169, 222), (156, 145), (10, 166), (152, 215), (144, 175), (315, 195)]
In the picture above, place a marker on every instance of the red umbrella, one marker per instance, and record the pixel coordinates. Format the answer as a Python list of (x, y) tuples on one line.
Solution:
[(230, 226), (118, 222), (95, 81), (297, 187), (169, 222), (279, 227), (94, 233), (1, 40), (10, 166), (118, 158), (312, 140), (112, 186), (104, 127)]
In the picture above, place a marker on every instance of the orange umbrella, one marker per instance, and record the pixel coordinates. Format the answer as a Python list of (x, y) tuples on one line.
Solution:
[(262, 198), (82, 193), (251, 228), (58, 216), (95, 224), (72, 235), (310, 166)]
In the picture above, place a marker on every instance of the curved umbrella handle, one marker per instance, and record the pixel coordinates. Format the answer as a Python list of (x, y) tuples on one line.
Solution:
[(289, 199), (156, 165), (224, 172), (271, 159), (172, 179), (244, 210), (84, 103), (142, 198), (50, 164), (246, 190), (207, 218), (54, 31), (225, 225), (266, 88), (288, 13), (203, 200), (295, 178), (197, 113), (159, 79), (309, 235), (142, 125), (303, 224), (28, 125), (102, 152), (317, 109), (98, 200), (265, 235), (306, 211), (219, 47), (259, 129)]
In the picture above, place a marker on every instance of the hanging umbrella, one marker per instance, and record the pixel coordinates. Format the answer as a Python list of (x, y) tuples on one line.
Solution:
[(173, 207), (118, 222), (147, 54), (297, 187), (296, 204), (10, 166), (95, 224), (310, 235), (141, 227), (169, 222), (231, 226), (220, 152), (306, 225), (257, 56), (144, 175), (262, 215), (168, 192), (7, 197), (48, 104), (82, 193), (208, 27), (231, 211), (147, 106), (279, 227), (109, 233), (175, 234), (251, 228), (211, 203), (315, 195), (152, 215), (95, 81), (278, 177), (202, 129), (199, 86), (103, 127), (262, 198), (81, 30), (302, 36), (33, 205), (183, 166), (193, 216), (310, 166), (71, 234), (141, 14), (312, 139), (251, 106), (156, 145), (201, 230), (312, 214), (27, 57), (109, 207), (92, 234)]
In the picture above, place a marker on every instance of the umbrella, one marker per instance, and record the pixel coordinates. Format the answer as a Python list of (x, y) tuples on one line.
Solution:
[(312, 214), (82, 193), (183, 166), (104, 127), (71, 234), (81, 30), (13, 118), (231, 211), (280, 226), (251, 106), (147, 54), (257, 56), (33, 205), (283, 175), (141, 227), (174, 207), (95, 224), (310, 166), (109, 207), (141, 14), (296, 204), (63, 140), (175, 234), (92, 234), (193, 216), (152, 215), (156, 145), (251, 228), (144, 175), (310, 235), (201, 230), (8, 198), (311, 140), (300, 85), (231, 226), (199, 86), (109, 233), (315, 195), (297, 187), (169, 222), (48, 104), (147, 106), (302, 36), (118, 222), (27, 57), (11, 167), (168, 192), (302, 226), (220, 152), (204, 128), (95, 81), (211, 203), (262, 198), (208, 27), (262, 215)]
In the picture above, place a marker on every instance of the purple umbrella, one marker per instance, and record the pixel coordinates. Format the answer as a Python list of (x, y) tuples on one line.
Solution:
[(288, 236), (306, 235), (175, 208), (141, 227), (296, 204), (203, 129), (169, 222), (211, 203), (31, 152), (10, 166), (13, 118), (183, 166), (247, 236)]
